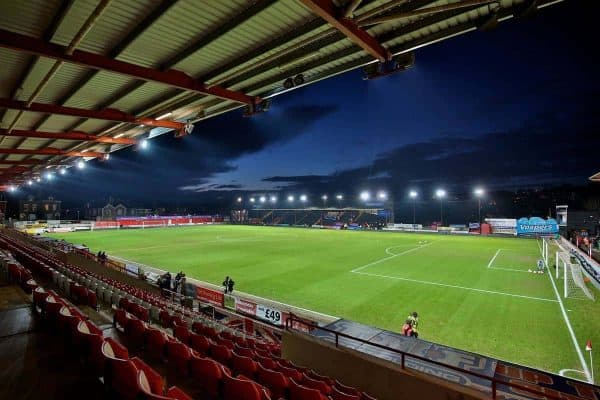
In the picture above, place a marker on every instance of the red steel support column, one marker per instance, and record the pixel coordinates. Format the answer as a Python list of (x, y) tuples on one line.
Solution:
[(49, 151)]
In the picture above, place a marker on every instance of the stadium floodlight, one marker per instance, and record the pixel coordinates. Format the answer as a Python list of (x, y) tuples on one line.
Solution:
[(440, 194), (81, 164), (30, 182), (263, 199), (324, 197), (339, 197), (49, 176), (239, 199), (273, 199), (38, 179), (382, 195), (12, 188), (365, 196), (252, 199), (63, 171), (303, 198), (144, 144), (290, 198), (413, 195), (479, 192)]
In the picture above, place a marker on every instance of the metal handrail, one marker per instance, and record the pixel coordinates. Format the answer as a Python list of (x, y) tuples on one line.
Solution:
[(494, 382)]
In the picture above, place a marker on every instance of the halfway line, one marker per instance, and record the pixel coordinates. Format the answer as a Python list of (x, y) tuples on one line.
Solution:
[(355, 270)]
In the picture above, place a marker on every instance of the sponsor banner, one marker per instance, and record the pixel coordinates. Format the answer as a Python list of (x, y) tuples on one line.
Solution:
[(245, 307), (229, 301), (131, 269), (474, 225), (503, 225), (209, 296), (536, 226), (269, 314)]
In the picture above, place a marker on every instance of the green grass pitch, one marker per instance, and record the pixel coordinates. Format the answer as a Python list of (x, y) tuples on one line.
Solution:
[(472, 293)]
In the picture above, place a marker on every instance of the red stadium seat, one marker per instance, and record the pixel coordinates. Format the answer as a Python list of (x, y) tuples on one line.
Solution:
[(220, 353), (121, 377), (178, 356), (319, 377), (156, 342), (337, 394), (177, 394), (243, 365), (316, 384), (240, 389), (136, 332), (244, 351), (153, 380), (225, 342), (299, 392), (267, 362), (199, 343), (182, 333), (207, 373), (366, 396), (275, 381), (120, 318), (346, 389), (291, 373)]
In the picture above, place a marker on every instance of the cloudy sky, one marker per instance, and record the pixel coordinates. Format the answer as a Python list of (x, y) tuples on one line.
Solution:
[(517, 106)]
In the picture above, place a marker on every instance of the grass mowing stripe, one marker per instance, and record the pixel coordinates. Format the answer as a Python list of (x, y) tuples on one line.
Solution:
[(455, 286), (566, 318)]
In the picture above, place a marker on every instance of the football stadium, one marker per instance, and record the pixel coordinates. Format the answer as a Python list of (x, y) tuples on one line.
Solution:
[(334, 219)]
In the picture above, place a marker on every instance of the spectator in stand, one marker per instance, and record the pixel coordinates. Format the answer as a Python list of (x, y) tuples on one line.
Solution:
[(182, 284), (230, 285), (226, 284)]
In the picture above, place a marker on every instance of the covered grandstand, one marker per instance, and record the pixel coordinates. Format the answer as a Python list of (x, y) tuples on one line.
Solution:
[(83, 79)]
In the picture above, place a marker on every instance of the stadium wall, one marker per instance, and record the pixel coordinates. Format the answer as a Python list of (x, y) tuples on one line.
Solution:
[(383, 379)]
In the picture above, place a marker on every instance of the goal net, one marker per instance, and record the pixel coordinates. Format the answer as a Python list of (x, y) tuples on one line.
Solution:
[(572, 275)]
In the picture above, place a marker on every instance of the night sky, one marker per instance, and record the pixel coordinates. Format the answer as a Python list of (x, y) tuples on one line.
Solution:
[(510, 108)]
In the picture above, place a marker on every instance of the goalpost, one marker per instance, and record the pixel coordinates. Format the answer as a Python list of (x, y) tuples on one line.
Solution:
[(571, 274)]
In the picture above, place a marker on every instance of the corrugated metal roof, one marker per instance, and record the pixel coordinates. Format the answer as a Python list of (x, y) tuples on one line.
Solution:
[(290, 37)]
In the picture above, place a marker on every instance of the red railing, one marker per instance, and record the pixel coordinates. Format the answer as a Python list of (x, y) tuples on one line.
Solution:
[(493, 381)]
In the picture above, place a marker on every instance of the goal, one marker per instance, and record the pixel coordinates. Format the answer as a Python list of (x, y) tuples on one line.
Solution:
[(572, 275)]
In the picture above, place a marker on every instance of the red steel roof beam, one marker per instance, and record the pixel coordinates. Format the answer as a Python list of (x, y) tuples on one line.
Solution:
[(85, 137), (50, 151), (23, 162), (106, 114), (179, 79), (334, 16)]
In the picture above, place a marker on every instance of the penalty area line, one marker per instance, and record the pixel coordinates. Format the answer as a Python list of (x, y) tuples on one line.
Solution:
[(456, 287), (355, 270), (493, 258)]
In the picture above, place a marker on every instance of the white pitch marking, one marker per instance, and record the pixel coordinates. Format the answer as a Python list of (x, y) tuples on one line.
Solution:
[(563, 371), (355, 270), (569, 327), (455, 286), (508, 269), (493, 258)]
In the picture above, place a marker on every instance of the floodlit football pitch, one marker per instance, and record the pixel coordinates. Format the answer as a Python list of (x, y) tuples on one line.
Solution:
[(473, 293)]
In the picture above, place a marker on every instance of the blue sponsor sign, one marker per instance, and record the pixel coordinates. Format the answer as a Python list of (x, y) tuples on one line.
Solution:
[(536, 226)]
